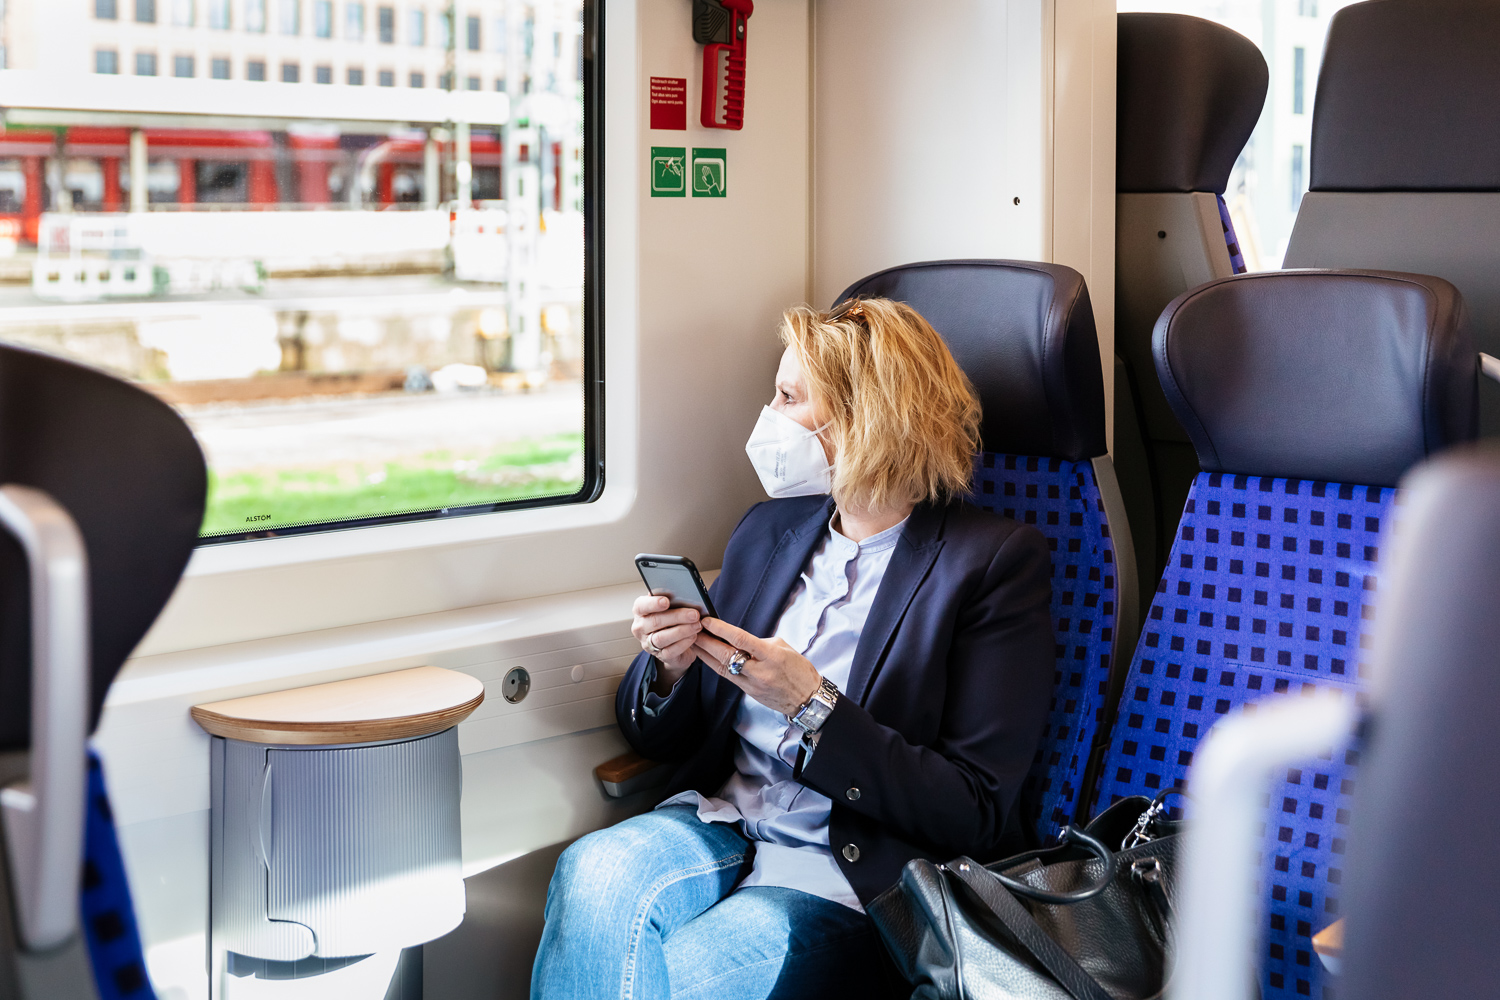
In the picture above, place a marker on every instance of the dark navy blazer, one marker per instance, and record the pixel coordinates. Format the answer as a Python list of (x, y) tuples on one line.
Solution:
[(925, 752)]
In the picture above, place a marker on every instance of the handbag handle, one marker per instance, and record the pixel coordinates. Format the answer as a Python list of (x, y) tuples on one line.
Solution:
[(1028, 934), (1072, 835)]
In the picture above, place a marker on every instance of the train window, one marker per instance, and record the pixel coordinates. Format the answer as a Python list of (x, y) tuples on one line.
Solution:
[(1270, 178), (364, 321)]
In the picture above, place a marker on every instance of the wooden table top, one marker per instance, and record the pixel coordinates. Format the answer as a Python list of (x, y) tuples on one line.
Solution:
[(401, 704)]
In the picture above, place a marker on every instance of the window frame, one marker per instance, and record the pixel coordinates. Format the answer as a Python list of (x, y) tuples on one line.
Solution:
[(592, 487)]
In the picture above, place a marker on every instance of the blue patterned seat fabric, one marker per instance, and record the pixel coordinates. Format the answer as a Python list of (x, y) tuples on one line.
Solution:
[(1062, 500), (1268, 589), (114, 942)]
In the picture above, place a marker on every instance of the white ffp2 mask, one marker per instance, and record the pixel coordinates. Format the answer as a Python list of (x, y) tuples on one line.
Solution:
[(788, 457)]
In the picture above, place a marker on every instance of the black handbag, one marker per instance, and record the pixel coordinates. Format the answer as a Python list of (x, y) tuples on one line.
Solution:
[(1090, 922)]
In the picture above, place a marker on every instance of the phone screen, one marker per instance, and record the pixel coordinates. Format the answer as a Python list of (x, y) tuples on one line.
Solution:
[(678, 583)]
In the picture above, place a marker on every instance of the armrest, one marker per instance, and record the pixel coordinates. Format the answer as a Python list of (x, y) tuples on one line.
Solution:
[(629, 773)]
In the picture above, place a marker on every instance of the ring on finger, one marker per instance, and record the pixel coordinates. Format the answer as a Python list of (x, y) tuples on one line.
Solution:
[(651, 644), (737, 661)]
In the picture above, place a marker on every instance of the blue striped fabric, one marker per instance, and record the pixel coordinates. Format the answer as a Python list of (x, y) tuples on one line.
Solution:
[(1062, 500), (1269, 588)]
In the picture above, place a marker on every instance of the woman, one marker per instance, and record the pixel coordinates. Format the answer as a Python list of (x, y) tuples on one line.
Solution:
[(874, 693)]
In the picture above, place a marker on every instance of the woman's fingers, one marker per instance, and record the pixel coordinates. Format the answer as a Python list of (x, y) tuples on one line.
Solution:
[(737, 637), (662, 638), (649, 605), (644, 625), (718, 649)]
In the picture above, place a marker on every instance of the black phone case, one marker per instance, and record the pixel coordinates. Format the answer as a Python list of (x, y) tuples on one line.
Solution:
[(683, 561)]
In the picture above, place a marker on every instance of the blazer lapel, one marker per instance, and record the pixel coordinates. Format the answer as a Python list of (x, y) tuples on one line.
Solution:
[(913, 557), (770, 594)]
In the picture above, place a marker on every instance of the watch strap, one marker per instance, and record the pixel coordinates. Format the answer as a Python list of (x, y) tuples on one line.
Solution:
[(816, 710)]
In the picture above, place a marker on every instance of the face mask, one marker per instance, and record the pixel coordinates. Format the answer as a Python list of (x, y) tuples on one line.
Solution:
[(788, 457)]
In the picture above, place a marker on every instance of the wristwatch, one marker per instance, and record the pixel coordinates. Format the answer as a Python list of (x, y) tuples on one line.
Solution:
[(816, 710)]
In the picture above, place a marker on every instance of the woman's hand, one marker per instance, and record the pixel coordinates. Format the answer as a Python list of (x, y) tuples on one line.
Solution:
[(667, 633), (776, 675)]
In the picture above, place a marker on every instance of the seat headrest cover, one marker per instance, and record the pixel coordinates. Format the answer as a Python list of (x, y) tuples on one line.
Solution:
[(1406, 98), (129, 472), (1024, 334), (1344, 376), (1189, 94)]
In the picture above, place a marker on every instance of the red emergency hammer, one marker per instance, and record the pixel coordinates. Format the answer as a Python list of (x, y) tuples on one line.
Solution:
[(721, 25)]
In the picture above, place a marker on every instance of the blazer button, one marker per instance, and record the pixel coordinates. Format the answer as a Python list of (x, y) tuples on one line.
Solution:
[(852, 795), (850, 852)]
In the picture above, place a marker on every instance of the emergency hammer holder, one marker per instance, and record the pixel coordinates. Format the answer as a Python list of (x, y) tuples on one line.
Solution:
[(721, 26)]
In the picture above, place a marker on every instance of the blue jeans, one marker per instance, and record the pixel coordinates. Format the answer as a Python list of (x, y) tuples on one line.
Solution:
[(645, 910)]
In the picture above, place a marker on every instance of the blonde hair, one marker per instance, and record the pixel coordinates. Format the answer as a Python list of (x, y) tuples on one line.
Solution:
[(900, 413)]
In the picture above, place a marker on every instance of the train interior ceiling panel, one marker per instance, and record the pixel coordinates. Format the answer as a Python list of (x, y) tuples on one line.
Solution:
[(356, 356)]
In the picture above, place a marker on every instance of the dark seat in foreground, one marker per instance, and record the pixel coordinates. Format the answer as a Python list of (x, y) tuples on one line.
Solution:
[(1421, 914), (124, 468)]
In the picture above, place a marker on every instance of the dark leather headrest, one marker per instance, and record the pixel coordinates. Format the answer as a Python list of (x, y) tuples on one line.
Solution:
[(1407, 98), (127, 469), (1024, 334), (1189, 94), (1343, 376)]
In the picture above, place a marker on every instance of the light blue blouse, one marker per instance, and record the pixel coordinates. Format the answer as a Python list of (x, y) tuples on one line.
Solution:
[(788, 821)]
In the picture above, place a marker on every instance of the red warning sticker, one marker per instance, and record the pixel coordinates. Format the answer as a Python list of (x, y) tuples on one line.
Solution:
[(669, 103)]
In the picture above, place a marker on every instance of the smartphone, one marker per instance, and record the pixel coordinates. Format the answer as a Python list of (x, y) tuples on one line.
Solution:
[(676, 579)]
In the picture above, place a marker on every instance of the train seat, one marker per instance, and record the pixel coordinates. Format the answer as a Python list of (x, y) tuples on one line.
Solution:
[(1421, 905), (1405, 171), (1189, 93), (1307, 395), (1024, 334), (126, 470)]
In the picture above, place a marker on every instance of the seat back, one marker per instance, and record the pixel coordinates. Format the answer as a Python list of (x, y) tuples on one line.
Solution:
[(1024, 335), (128, 472), (1189, 93), (1307, 395), (1405, 171), (1420, 890)]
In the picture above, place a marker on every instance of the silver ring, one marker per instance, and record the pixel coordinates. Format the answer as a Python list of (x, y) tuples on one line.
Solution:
[(737, 661), (651, 644)]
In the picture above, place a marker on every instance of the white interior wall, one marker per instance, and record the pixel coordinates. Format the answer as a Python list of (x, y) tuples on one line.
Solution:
[(965, 128)]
